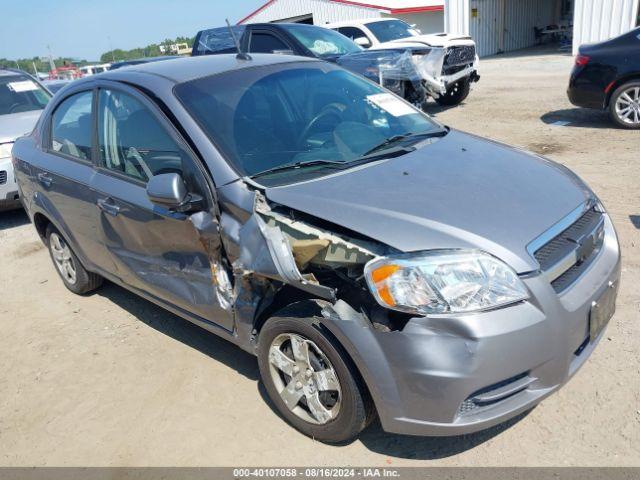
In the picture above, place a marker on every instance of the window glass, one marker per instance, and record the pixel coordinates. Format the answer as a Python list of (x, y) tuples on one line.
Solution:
[(352, 32), (218, 40), (132, 141), (323, 42), (389, 30), (18, 93), (266, 43), (71, 126), (265, 117)]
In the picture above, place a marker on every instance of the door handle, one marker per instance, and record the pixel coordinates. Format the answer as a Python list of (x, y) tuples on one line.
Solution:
[(45, 179), (108, 205)]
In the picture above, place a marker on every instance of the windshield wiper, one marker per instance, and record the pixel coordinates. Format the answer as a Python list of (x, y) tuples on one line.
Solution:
[(298, 165), (391, 141)]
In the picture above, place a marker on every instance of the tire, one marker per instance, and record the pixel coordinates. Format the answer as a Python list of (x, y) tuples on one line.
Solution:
[(626, 100), (74, 276), (352, 410), (456, 93)]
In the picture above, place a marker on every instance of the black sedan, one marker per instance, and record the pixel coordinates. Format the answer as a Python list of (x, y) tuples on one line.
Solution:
[(606, 76)]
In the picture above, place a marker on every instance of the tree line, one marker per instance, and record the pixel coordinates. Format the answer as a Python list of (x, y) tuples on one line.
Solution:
[(152, 50), (41, 64)]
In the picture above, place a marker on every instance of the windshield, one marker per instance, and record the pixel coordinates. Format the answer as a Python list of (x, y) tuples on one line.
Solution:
[(19, 93), (300, 112), (322, 41), (389, 30)]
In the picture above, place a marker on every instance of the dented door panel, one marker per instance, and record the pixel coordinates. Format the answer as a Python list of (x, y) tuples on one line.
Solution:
[(166, 254)]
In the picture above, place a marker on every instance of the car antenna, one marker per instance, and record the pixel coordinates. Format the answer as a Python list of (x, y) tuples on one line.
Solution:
[(241, 55)]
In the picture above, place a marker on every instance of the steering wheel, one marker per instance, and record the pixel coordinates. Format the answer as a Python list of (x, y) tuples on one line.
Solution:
[(14, 106), (326, 112)]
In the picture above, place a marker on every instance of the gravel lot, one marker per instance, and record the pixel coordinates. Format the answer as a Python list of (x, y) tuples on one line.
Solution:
[(111, 379)]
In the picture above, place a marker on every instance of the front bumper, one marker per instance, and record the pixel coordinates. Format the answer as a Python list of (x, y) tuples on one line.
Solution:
[(8, 187), (423, 377)]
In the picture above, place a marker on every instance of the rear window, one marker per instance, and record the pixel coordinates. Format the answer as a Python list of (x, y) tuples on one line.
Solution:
[(217, 40), (19, 93)]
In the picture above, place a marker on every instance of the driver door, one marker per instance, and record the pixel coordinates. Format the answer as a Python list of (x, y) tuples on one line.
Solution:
[(167, 255)]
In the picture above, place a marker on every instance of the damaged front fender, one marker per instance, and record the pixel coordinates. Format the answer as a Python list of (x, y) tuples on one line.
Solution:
[(265, 251)]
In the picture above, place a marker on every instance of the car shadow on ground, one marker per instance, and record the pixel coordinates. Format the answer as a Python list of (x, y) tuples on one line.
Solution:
[(433, 109), (635, 219), (182, 330), (13, 219), (373, 438), (578, 117), (413, 447)]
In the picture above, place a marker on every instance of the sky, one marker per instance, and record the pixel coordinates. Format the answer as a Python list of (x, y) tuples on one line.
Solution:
[(85, 29)]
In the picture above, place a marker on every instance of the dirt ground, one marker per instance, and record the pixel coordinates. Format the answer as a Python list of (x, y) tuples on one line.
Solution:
[(111, 379)]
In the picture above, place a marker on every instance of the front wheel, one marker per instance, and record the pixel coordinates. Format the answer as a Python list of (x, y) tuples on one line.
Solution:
[(455, 94), (311, 382), (624, 107)]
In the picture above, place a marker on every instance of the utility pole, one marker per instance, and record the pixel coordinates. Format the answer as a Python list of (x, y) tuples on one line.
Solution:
[(52, 64), (113, 57), (35, 70)]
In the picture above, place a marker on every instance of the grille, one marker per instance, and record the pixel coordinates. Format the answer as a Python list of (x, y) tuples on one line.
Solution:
[(580, 243), (460, 55), (3, 177), (495, 393)]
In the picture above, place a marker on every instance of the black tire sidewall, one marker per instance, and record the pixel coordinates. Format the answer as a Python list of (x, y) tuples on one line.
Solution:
[(612, 105), (352, 416)]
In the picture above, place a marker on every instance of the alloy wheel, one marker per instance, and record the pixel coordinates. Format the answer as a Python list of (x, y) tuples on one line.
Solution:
[(628, 106), (305, 378), (62, 258)]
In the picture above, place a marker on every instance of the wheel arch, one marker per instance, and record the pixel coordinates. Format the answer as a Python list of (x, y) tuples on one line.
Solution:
[(340, 329), (41, 222), (43, 217), (635, 76)]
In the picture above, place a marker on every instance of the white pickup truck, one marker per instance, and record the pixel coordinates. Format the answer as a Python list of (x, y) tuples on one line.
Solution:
[(446, 64)]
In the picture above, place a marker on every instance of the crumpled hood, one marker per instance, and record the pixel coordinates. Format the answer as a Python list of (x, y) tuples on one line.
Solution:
[(16, 125), (460, 191)]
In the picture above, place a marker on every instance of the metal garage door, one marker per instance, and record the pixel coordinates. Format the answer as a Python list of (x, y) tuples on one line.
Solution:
[(505, 25)]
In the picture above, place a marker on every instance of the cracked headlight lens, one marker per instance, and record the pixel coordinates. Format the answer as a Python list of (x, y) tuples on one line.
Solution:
[(443, 281)]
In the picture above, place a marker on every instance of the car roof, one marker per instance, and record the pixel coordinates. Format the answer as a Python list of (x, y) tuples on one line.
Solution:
[(181, 70)]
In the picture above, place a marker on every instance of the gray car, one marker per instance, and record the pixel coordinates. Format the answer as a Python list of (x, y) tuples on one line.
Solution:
[(375, 261), (22, 99)]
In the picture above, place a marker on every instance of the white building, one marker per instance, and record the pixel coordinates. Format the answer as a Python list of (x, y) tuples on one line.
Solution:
[(496, 25), (505, 25), (427, 15)]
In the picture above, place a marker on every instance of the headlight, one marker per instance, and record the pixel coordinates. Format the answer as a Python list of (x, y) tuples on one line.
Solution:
[(5, 149), (443, 281)]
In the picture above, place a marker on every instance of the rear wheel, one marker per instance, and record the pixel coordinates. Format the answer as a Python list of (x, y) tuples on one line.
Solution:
[(456, 93), (74, 276), (624, 107), (311, 382)]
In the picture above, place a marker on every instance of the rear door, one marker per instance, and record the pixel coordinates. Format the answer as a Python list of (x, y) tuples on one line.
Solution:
[(63, 172), (169, 255)]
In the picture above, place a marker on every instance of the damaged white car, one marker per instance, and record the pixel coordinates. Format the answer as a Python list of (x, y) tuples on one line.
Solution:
[(444, 64), (376, 262)]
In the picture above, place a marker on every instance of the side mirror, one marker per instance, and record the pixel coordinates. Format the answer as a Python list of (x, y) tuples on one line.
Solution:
[(364, 42), (167, 190)]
